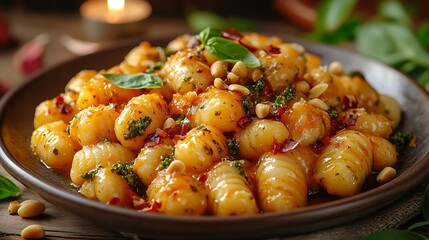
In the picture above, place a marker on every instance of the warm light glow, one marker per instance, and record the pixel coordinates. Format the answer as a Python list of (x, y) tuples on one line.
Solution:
[(115, 5)]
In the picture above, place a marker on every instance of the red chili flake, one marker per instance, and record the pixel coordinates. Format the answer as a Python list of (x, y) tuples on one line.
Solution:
[(185, 130), (349, 101), (155, 207), (282, 110), (268, 89), (199, 90), (273, 50), (172, 131), (62, 107), (114, 201), (202, 178), (232, 34), (242, 122), (153, 140), (289, 145), (128, 198)]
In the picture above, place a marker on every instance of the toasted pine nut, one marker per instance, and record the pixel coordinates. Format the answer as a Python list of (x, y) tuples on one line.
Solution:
[(191, 96), (169, 123), (31, 208), (335, 68), (219, 84), (218, 69), (239, 88), (387, 174), (302, 86), (317, 102), (176, 166), (318, 90), (239, 69), (13, 207), (34, 231), (256, 75), (232, 77), (262, 110)]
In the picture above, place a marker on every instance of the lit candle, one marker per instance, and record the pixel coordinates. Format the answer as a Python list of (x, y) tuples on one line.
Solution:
[(112, 19)]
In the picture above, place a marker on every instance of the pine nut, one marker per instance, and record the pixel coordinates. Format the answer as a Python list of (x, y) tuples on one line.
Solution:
[(191, 96), (387, 174), (302, 86), (218, 69), (256, 75), (239, 89), (176, 166), (317, 102), (317, 90), (169, 123), (240, 69), (219, 84), (31, 208), (335, 68), (232, 77), (262, 110), (34, 231), (13, 207)]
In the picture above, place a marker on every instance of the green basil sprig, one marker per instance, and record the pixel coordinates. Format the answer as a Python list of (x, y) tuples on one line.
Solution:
[(7, 188), (226, 50), (135, 81)]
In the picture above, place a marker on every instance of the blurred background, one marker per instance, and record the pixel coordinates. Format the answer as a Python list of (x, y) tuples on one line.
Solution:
[(36, 34)]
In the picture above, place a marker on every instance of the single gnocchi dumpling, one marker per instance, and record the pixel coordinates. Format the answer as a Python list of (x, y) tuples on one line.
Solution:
[(52, 144), (202, 147), (177, 194), (345, 163), (229, 191)]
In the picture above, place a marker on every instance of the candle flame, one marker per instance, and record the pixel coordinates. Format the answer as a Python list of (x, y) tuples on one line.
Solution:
[(116, 5)]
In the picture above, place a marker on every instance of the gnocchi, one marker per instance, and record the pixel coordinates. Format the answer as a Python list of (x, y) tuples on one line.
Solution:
[(208, 133)]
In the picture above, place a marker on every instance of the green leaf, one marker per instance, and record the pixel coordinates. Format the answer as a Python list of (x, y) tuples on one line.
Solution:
[(199, 20), (425, 204), (391, 43), (346, 32), (332, 14), (208, 33), (7, 188), (230, 51), (418, 224), (394, 235), (394, 10), (135, 81), (423, 34)]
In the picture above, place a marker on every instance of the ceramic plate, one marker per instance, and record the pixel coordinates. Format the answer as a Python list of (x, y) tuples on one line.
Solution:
[(16, 125)]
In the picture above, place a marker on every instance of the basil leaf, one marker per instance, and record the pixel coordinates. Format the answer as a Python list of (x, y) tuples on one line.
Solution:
[(332, 14), (7, 188), (418, 224), (199, 20), (425, 204), (394, 10), (208, 33), (390, 43), (135, 81), (423, 34), (230, 51), (394, 235)]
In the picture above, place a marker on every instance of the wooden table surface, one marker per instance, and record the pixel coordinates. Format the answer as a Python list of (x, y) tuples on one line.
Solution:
[(58, 223)]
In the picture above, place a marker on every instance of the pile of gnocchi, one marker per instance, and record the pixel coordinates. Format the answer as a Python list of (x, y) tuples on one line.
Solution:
[(194, 129)]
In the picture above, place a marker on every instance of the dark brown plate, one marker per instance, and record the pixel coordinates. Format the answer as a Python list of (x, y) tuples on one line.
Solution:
[(16, 125)]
